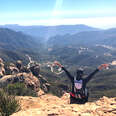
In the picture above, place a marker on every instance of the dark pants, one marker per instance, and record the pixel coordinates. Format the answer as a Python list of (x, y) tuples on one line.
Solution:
[(74, 100)]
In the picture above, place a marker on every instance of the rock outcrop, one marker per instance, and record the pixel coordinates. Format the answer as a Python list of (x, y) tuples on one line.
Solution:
[(35, 69), (13, 69), (48, 105), (27, 78), (29, 75), (2, 70)]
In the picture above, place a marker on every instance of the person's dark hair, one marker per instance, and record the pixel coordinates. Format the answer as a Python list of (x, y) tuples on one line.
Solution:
[(79, 74)]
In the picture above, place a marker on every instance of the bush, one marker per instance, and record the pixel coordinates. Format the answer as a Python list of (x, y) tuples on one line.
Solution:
[(19, 89), (8, 104)]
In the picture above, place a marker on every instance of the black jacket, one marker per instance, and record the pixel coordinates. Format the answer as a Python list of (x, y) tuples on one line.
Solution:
[(85, 80)]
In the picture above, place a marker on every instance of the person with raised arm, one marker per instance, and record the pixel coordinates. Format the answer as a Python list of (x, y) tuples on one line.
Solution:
[(79, 93)]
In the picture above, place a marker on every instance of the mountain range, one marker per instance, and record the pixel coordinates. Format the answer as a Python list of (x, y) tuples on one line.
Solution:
[(70, 44), (84, 48), (48, 31), (106, 37)]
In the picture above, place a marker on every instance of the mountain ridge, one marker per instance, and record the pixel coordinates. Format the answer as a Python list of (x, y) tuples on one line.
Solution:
[(86, 37), (15, 45), (48, 31)]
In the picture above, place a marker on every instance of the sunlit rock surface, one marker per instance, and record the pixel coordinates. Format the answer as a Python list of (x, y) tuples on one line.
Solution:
[(49, 105)]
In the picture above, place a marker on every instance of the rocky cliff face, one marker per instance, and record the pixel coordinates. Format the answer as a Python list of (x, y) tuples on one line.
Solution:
[(49, 105), (27, 78), (29, 75)]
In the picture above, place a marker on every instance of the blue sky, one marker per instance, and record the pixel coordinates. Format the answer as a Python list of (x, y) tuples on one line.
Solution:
[(96, 13)]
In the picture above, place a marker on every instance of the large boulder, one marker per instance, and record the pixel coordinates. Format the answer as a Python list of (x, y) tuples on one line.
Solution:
[(28, 78), (31, 81), (29, 75)]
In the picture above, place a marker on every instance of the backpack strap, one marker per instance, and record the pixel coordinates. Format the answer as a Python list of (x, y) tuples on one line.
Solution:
[(74, 78), (74, 84)]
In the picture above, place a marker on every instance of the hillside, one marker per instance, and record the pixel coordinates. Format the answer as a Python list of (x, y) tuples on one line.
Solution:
[(10, 40), (106, 37), (14, 45), (84, 48), (49, 105)]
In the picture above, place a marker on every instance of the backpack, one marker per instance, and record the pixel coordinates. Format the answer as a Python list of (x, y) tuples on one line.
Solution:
[(79, 91)]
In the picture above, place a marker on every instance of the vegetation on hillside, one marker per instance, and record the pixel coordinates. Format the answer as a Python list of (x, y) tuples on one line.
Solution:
[(19, 89), (8, 104)]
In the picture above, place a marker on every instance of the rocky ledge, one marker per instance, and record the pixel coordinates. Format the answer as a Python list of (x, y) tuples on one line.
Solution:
[(49, 105)]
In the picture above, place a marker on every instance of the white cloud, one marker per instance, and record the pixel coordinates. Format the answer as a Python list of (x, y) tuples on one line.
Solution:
[(101, 22), (85, 13)]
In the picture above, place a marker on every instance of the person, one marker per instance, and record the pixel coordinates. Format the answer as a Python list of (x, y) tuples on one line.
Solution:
[(79, 93)]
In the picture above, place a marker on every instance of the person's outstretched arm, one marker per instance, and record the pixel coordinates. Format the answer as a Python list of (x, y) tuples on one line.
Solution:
[(68, 74), (66, 71), (97, 70)]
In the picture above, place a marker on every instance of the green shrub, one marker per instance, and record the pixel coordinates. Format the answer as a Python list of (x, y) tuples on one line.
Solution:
[(8, 104), (19, 89)]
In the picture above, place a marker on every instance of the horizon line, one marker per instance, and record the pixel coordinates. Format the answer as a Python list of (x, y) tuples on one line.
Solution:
[(7, 24)]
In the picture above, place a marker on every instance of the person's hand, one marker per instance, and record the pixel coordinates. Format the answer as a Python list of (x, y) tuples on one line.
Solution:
[(57, 63), (103, 66)]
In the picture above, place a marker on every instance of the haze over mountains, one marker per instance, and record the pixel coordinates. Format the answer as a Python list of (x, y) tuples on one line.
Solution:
[(67, 43), (85, 48), (86, 38), (49, 31)]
